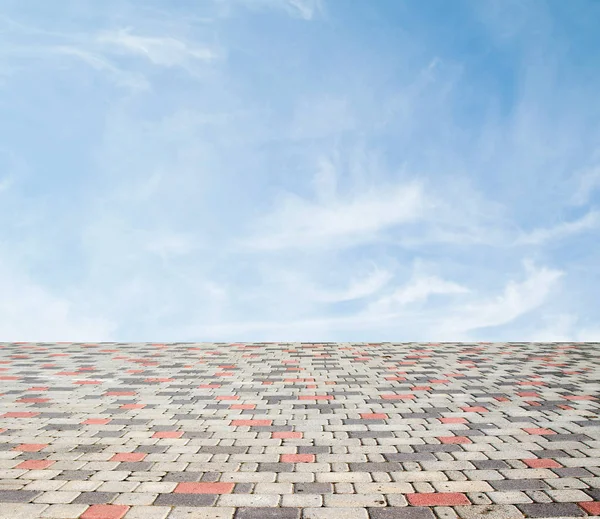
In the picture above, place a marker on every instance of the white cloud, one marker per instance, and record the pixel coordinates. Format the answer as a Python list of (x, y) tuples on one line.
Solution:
[(305, 9), (416, 290), (325, 182), (556, 328), (298, 222), (29, 312), (97, 61), (591, 334), (588, 183), (163, 51), (517, 299), (564, 328), (398, 321), (539, 236), (357, 288)]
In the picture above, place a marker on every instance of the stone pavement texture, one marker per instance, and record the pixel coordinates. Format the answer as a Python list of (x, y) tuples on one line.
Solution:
[(299, 430)]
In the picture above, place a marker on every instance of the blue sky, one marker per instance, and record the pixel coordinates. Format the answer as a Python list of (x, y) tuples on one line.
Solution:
[(311, 170)]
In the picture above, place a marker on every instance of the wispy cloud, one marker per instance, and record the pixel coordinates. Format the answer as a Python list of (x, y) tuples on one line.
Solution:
[(305, 9), (30, 312), (163, 51), (589, 182), (517, 299), (590, 221), (417, 290), (298, 222), (333, 219), (357, 287), (396, 320)]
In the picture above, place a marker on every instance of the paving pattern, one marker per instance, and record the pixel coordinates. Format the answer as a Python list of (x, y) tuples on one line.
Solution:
[(299, 430)]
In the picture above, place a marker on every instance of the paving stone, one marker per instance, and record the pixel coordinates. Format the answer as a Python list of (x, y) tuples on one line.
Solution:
[(18, 496), (268, 513), (552, 510), (56, 497), (186, 500), (301, 500), (10, 510), (338, 513), (220, 512), (488, 512), (313, 488), (148, 512), (95, 498), (354, 500), (63, 511), (416, 512), (248, 500), (509, 497)]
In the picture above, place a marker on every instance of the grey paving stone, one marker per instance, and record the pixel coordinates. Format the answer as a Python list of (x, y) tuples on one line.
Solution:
[(18, 496), (186, 500), (552, 510), (267, 513), (418, 512), (183, 476), (95, 498), (519, 484)]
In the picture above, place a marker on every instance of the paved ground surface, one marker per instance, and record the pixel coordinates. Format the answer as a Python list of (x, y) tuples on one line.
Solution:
[(299, 430)]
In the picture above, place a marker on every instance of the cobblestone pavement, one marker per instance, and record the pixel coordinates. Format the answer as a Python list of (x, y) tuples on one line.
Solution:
[(299, 430)]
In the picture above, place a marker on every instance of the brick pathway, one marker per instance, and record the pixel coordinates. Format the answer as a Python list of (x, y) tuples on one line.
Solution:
[(299, 430)]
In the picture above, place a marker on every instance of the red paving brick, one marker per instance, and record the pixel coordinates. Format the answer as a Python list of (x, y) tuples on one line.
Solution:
[(438, 499), (31, 447), (129, 456), (251, 423), (542, 463), (204, 488), (168, 434), (297, 458), (17, 414), (453, 420), (591, 507), (105, 512), (454, 439), (96, 421), (286, 434), (35, 464)]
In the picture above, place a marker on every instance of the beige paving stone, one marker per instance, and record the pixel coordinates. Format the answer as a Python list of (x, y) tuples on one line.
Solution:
[(339, 513), (148, 512), (56, 497), (21, 511), (354, 500), (302, 500), (243, 500), (162, 487), (81, 486), (219, 512), (509, 497), (462, 486), (63, 511)]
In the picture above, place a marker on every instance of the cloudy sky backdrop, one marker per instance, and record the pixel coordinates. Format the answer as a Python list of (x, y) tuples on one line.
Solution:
[(335, 170)]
